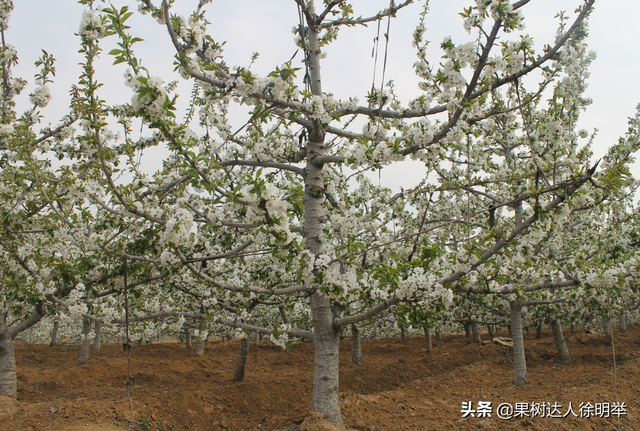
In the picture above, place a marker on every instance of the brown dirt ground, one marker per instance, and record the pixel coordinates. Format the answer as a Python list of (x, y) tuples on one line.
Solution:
[(398, 387)]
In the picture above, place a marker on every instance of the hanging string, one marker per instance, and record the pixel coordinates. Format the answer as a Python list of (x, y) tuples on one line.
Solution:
[(126, 346)]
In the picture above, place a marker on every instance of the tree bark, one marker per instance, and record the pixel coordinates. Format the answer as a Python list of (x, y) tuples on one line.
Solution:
[(475, 332), (8, 375), (623, 321), (402, 334), (438, 334), (467, 330), (200, 347), (86, 342), (97, 340), (326, 344), (606, 332), (256, 338), (490, 330), (326, 340), (563, 353), (571, 329), (241, 366), (187, 339), (54, 334), (539, 331), (356, 351), (519, 360), (427, 336)]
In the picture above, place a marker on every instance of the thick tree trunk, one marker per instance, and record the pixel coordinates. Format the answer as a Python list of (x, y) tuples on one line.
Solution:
[(326, 343), (606, 332), (467, 329), (623, 321), (563, 353), (54, 334), (475, 332), (438, 334), (356, 350), (519, 361), (97, 340), (200, 347), (86, 342), (241, 366), (8, 376), (427, 337), (402, 334), (326, 340)]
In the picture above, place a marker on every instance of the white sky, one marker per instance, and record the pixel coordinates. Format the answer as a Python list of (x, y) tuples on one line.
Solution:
[(264, 26)]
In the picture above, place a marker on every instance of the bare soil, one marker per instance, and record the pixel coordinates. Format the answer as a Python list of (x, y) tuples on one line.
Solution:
[(398, 387)]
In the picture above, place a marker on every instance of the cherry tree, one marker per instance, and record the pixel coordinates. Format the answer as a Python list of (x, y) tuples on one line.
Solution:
[(276, 212)]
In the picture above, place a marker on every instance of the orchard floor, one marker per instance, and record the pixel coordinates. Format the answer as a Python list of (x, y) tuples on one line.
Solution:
[(398, 387)]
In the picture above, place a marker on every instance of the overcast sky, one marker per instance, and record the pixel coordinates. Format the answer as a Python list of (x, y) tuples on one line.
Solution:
[(264, 26)]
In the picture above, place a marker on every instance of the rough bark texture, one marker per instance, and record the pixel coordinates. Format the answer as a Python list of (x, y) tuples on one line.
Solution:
[(8, 376), (54, 334), (241, 366), (475, 332), (86, 342), (427, 336), (563, 353), (606, 332), (200, 347), (623, 321), (519, 361), (97, 340), (356, 351)]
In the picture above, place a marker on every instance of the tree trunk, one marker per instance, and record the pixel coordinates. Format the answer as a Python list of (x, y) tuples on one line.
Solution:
[(475, 332), (356, 351), (571, 329), (187, 339), (97, 340), (519, 361), (623, 321), (326, 346), (490, 330), (8, 375), (326, 340), (256, 338), (427, 336), (606, 332), (54, 334), (200, 347), (402, 334), (539, 331), (509, 330), (241, 366), (86, 341), (467, 330), (438, 334), (563, 353)]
